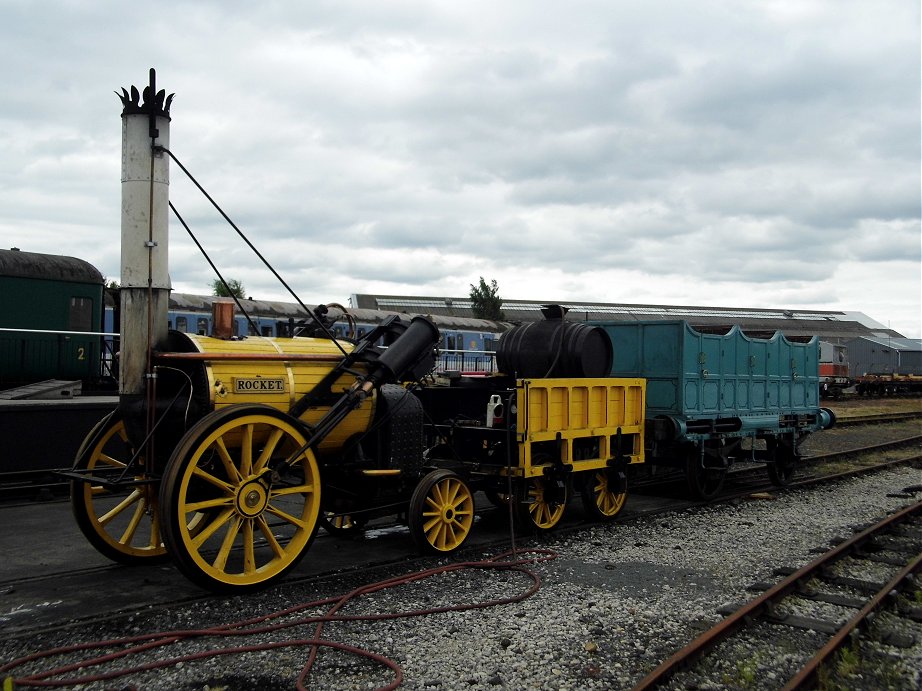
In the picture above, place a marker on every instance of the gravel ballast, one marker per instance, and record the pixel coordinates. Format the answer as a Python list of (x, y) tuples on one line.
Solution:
[(616, 601)]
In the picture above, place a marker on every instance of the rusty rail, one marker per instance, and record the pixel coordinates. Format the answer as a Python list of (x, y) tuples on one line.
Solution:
[(879, 418), (755, 608)]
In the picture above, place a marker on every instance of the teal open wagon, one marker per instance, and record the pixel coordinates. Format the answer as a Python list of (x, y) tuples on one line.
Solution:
[(713, 399)]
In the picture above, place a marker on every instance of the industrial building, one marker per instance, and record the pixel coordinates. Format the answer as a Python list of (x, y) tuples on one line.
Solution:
[(796, 324), (875, 355)]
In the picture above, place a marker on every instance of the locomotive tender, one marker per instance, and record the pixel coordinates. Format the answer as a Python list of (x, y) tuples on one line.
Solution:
[(226, 455)]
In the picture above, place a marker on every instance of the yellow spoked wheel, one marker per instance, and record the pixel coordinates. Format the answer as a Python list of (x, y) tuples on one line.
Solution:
[(542, 505), (260, 514), (120, 522), (604, 494), (441, 512)]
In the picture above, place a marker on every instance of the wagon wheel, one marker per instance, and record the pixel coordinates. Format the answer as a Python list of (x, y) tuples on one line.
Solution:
[(782, 462), (260, 514), (604, 494), (542, 502), (498, 498), (441, 512), (341, 524), (335, 518), (703, 483), (121, 523)]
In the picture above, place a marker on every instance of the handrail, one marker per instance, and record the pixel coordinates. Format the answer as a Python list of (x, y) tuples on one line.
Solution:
[(58, 333)]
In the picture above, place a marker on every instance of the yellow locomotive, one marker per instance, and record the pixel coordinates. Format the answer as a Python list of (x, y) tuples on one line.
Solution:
[(256, 443)]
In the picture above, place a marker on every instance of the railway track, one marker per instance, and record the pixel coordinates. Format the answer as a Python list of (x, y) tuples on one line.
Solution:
[(107, 595), (745, 478), (891, 549), (43, 485), (491, 533), (877, 418)]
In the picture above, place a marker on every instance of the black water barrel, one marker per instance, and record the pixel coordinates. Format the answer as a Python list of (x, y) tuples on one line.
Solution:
[(555, 348)]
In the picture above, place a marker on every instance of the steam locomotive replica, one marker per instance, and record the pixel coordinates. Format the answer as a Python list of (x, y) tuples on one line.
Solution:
[(258, 442), (227, 455)]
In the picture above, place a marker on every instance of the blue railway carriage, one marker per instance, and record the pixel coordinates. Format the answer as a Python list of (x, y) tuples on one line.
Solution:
[(714, 399), (466, 345)]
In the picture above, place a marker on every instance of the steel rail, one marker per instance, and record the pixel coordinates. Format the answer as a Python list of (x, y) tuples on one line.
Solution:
[(856, 420), (808, 672), (675, 476), (883, 446), (762, 604)]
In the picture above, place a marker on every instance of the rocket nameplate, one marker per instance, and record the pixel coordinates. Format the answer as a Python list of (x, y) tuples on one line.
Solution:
[(259, 385)]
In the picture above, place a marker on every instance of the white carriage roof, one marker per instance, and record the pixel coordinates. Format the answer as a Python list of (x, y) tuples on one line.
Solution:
[(398, 303)]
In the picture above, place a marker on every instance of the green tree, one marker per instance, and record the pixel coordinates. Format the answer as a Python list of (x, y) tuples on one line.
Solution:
[(234, 288), (485, 302)]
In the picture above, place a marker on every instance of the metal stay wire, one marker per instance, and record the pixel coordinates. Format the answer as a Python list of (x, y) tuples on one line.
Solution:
[(251, 246), (214, 268)]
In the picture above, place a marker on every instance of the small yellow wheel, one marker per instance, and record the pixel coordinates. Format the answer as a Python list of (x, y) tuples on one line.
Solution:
[(542, 505), (441, 512), (604, 494), (121, 523), (259, 513)]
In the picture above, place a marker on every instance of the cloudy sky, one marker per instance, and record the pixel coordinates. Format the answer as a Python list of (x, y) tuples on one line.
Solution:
[(761, 153)]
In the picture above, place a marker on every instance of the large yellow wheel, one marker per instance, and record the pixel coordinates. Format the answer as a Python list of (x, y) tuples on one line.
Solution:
[(441, 512), (542, 505), (121, 523), (260, 514), (604, 494)]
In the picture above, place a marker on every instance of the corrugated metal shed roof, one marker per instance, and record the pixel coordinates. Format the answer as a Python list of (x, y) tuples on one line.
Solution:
[(760, 322), (285, 310), (531, 307)]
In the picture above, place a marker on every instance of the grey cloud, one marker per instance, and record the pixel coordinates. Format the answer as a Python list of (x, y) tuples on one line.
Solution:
[(699, 145)]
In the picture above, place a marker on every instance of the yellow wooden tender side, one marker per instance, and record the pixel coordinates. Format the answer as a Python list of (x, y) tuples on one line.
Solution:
[(588, 416)]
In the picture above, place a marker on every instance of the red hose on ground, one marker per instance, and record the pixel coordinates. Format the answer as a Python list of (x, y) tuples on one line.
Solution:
[(507, 561)]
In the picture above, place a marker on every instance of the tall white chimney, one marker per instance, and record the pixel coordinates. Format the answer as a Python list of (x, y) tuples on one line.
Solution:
[(145, 280)]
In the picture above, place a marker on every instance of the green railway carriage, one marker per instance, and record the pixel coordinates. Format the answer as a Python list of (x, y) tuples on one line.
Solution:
[(50, 302)]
